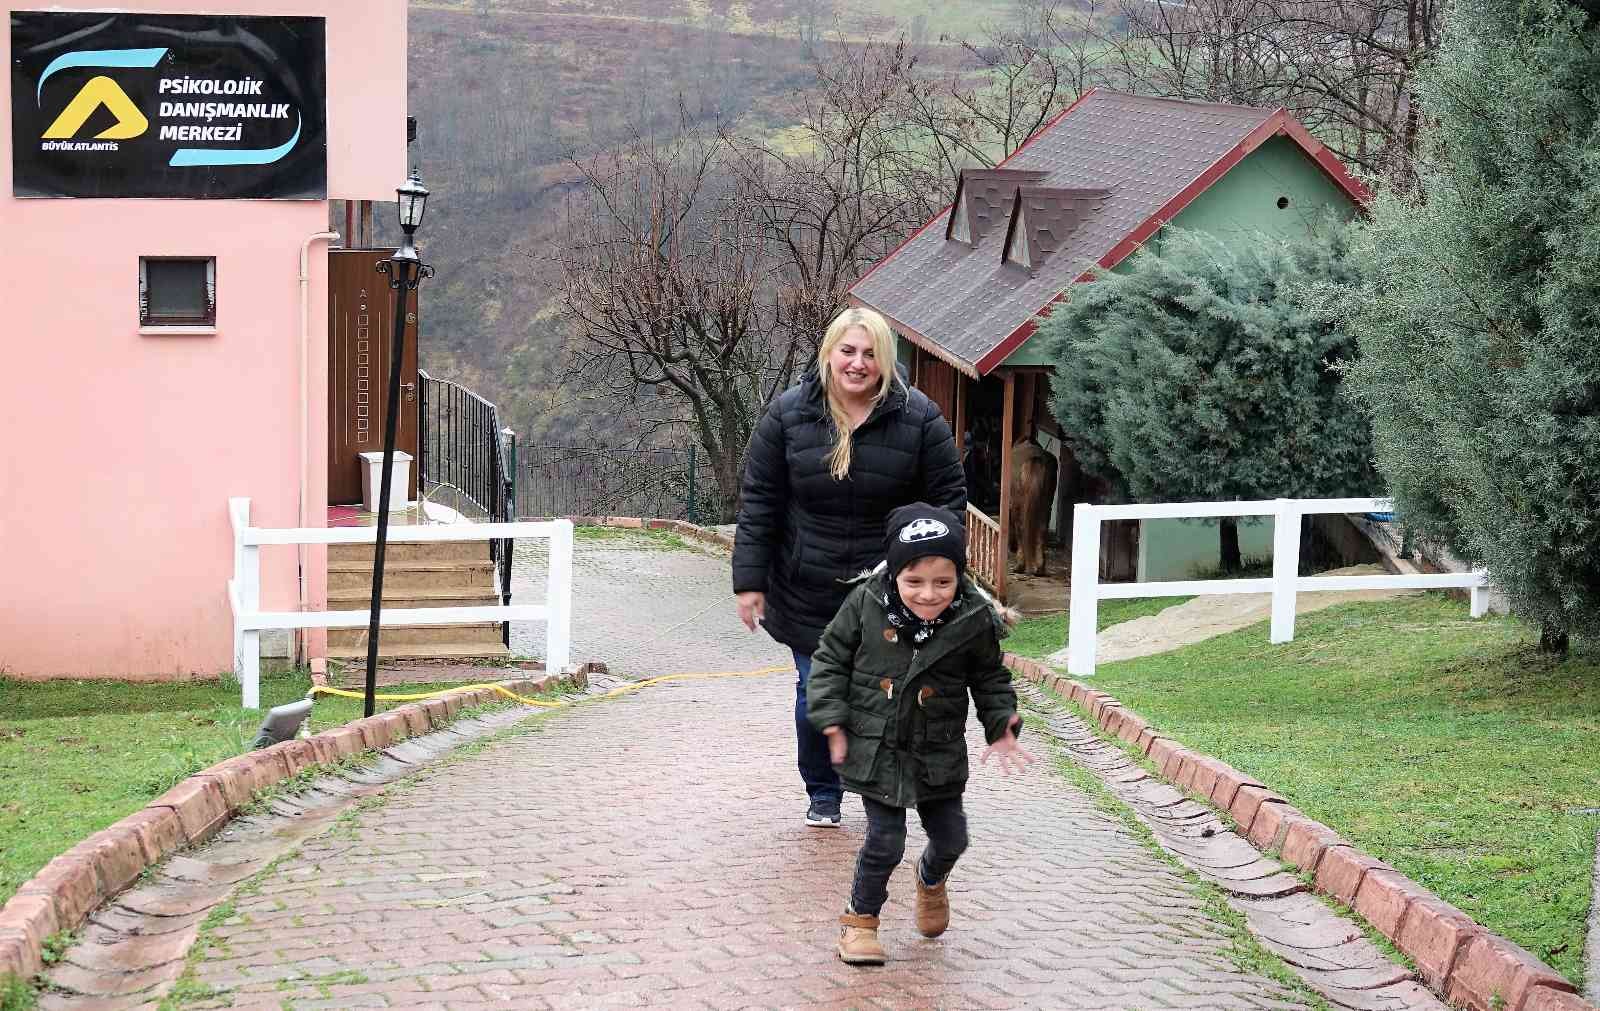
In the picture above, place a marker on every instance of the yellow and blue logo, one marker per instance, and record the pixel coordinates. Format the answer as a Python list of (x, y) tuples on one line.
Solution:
[(99, 92)]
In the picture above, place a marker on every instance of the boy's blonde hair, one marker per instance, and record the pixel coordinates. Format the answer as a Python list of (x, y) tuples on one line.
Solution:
[(883, 351)]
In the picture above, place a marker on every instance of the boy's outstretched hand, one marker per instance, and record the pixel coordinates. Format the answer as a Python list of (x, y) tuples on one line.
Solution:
[(838, 744), (1013, 757)]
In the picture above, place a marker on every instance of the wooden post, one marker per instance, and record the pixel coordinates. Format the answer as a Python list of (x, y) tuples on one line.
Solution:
[(1025, 399), (351, 239), (959, 422), (1008, 419)]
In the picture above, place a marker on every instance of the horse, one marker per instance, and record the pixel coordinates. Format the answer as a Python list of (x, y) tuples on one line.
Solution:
[(1033, 490)]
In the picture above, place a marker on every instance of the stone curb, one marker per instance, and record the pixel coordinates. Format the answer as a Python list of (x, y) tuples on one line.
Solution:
[(697, 533), (1459, 959), (63, 894)]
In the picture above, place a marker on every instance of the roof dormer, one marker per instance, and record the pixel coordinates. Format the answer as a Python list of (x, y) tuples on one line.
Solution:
[(1043, 218), (984, 199)]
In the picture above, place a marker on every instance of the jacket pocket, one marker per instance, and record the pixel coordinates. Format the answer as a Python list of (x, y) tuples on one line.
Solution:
[(865, 736), (944, 752), (797, 560)]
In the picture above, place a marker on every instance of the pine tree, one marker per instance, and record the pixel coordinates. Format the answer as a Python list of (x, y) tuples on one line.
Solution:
[(1199, 376), (1479, 320)]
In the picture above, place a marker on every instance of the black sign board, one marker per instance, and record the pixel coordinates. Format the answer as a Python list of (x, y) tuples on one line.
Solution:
[(168, 105)]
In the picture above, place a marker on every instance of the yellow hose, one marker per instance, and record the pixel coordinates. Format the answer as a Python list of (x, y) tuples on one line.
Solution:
[(502, 689), (617, 692), (633, 686)]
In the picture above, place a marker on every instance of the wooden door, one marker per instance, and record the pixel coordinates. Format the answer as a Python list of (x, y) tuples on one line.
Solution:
[(360, 332)]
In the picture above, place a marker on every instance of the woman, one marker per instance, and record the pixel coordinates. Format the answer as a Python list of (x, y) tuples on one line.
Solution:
[(831, 457)]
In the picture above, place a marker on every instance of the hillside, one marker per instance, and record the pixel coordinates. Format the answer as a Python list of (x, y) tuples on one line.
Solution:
[(508, 92)]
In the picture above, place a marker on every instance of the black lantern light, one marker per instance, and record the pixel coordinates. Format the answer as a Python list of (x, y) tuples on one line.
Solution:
[(412, 198), (405, 270)]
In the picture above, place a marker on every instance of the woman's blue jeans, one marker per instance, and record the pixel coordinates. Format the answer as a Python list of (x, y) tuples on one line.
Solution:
[(822, 783)]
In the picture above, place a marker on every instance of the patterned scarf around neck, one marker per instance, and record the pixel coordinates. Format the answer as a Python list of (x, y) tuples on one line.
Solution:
[(905, 620)]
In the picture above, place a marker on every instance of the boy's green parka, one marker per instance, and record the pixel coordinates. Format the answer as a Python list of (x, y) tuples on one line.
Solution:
[(904, 710)]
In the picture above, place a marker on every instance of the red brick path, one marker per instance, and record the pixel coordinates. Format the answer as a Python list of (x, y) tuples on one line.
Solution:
[(649, 852)]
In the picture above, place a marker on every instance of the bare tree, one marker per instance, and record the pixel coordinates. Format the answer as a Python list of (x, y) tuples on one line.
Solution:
[(701, 270), (1019, 76), (1343, 67), (667, 286), (838, 193), (879, 142)]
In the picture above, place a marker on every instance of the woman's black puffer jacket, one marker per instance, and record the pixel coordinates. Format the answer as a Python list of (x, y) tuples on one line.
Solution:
[(801, 533)]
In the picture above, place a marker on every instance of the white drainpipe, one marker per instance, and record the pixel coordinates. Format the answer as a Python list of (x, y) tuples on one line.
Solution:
[(305, 403)]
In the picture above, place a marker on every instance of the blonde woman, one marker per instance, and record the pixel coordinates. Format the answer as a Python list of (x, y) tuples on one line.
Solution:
[(829, 460)]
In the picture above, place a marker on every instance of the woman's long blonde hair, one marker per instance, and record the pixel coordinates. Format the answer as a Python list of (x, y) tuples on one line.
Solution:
[(883, 351)]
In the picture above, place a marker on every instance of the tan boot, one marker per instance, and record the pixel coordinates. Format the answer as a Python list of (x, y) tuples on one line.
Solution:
[(933, 907), (858, 941)]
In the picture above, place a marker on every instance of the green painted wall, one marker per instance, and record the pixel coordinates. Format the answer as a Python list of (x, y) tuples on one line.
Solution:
[(1243, 203)]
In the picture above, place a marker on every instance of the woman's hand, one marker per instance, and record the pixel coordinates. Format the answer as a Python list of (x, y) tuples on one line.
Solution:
[(838, 744), (1013, 758), (752, 608)]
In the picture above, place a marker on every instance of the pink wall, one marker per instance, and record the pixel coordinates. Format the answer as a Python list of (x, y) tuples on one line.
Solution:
[(118, 451)]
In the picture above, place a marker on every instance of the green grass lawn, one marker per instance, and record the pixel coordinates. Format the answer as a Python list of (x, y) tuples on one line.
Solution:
[(75, 756), (1445, 746), (1039, 637), (633, 537)]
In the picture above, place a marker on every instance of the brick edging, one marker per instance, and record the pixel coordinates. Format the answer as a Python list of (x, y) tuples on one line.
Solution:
[(1457, 957), (63, 894)]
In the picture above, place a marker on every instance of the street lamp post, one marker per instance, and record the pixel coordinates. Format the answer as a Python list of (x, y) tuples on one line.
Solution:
[(405, 270)]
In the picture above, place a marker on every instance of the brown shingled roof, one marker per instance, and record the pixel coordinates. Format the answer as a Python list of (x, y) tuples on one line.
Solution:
[(983, 200), (1042, 221), (1148, 157)]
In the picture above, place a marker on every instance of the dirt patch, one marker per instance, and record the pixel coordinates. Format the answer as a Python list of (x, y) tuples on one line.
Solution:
[(1205, 617)]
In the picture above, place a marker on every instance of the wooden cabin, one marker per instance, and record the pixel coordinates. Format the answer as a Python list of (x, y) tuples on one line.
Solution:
[(966, 291)]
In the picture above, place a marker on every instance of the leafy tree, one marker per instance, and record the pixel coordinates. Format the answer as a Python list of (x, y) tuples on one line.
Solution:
[(1199, 376), (1477, 321)]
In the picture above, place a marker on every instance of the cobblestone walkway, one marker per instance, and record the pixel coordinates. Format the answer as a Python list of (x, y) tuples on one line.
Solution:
[(649, 852), (642, 609)]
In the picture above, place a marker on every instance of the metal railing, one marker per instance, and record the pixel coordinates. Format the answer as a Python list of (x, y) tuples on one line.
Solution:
[(461, 445), (244, 589), (1284, 583), (596, 481)]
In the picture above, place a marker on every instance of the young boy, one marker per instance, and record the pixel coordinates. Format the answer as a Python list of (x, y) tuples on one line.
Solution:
[(888, 687)]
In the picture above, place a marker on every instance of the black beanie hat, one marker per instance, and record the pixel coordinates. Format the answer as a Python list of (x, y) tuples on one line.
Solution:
[(919, 530)]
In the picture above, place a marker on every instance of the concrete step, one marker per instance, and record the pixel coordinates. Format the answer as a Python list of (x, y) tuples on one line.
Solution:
[(412, 577), (479, 633), (439, 651), (440, 552)]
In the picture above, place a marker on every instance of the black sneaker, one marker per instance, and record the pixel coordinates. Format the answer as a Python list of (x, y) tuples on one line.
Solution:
[(823, 813)]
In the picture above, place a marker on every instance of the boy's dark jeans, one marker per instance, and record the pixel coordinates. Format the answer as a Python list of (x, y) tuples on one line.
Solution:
[(885, 846), (822, 782)]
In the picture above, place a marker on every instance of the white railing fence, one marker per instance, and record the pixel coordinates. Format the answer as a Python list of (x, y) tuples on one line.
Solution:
[(244, 589), (1284, 583)]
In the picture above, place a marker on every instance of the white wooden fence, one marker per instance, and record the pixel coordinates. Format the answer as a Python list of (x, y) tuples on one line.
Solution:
[(244, 589), (1284, 583)]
